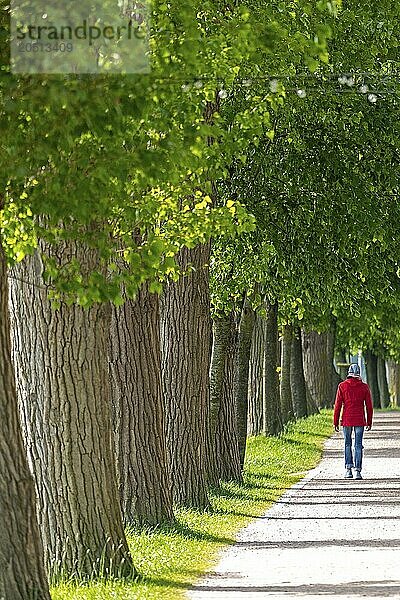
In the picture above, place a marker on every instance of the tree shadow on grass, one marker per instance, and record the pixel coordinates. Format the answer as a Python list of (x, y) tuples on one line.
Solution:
[(236, 495), (178, 585), (237, 513), (300, 443), (272, 481), (311, 433), (276, 489), (230, 494), (181, 529), (192, 534), (265, 488)]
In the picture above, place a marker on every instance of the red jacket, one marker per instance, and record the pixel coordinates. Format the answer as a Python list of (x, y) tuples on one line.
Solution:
[(354, 396)]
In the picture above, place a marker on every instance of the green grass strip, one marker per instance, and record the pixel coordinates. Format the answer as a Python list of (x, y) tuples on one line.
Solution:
[(171, 558)]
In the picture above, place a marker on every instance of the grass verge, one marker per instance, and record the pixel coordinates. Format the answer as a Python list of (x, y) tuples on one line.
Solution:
[(171, 558)]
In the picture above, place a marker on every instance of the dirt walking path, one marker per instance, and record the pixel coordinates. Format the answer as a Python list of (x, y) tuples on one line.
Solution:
[(327, 537)]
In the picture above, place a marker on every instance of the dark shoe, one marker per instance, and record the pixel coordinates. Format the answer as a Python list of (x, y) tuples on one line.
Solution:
[(358, 475), (348, 474)]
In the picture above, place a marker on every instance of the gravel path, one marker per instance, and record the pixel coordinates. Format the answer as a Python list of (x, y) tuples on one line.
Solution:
[(327, 536)]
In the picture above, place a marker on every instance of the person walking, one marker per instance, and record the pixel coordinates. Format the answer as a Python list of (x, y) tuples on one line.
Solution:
[(353, 402)]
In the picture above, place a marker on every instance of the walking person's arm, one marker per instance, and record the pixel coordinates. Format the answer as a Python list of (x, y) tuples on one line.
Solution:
[(369, 407), (338, 407)]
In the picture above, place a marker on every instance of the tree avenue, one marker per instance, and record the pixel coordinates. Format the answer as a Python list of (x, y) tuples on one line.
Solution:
[(189, 263)]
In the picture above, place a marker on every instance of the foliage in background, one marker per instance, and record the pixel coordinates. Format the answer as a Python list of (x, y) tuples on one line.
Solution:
[(323, 187)]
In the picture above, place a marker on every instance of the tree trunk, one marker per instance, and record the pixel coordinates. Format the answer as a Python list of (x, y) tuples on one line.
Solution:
[(22, 574), (297, 382), (256, 377), (242, 381), (64, 395), (139, 412), (341, 358), (317, 369), (312, 408), (224, 424), (285, 388), (330, 351), (272, 424), (382, 383), (394, 382), (371, 365), (217, 375), (186, 338)]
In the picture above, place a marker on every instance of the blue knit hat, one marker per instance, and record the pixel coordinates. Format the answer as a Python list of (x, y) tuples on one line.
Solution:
[(354, 370)]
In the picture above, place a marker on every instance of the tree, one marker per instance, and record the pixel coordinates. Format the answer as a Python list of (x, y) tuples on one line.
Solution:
[(22, 573), (330, 350), (272, 410), (139, 410), (186, 338), (297, 381), (316, 368), (371, 364), (285, 386), (394, 382), (246, 326), (382, 383), (256, 377), (64, 395), (224, 450)]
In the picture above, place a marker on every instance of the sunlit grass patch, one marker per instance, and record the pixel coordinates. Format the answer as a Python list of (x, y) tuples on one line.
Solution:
[(170, 558)]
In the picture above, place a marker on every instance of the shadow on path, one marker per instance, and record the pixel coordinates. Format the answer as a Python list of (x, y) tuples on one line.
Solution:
[(370, 589), (365, 544)]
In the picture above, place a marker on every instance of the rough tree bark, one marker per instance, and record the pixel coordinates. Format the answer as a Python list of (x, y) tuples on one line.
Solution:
[(63, 390), (223, 424), (242, 377), (22, 573), (317, 370), (256, 377), (186, 339), (394, 382), (312, 408), (272, 418), (371, 365), (384, 396), (285, 387), (139, 411), (297, 382)]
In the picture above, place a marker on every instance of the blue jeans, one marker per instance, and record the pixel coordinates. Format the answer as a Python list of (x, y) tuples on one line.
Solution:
[(358, 447)]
